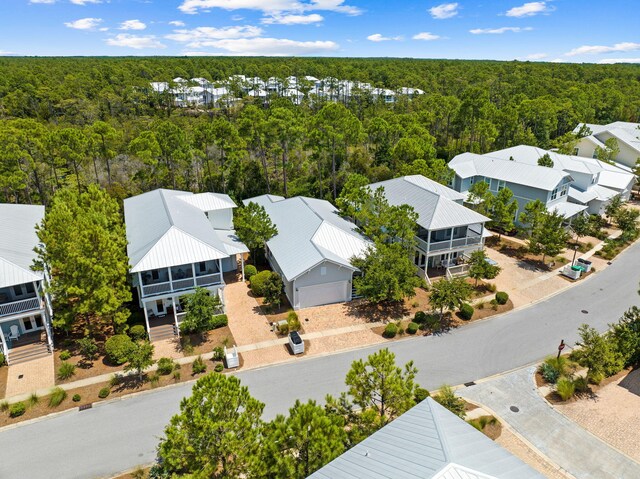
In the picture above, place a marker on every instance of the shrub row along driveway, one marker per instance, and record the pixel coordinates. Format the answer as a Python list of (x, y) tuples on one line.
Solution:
[(122, 434)]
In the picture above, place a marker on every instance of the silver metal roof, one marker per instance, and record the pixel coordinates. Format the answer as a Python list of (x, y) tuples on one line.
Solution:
[(531, 155), (567, 209), (470, 164), (309, 231), (427, 442), (436, 205), (18, 238), (169, 228)]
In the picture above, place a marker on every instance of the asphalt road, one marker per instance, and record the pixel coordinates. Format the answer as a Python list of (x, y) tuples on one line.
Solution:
[(119, 435)]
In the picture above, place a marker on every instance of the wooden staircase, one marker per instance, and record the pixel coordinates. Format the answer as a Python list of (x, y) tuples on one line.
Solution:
[(28, 352), (162, 328)]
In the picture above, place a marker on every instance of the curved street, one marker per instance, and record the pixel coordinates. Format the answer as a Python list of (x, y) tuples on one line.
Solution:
[(119, 435)]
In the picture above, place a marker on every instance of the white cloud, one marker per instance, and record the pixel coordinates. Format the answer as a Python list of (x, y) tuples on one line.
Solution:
[(195, 37), (177, 23), (84, 2), (529, 9), (269, 46), (446, 10), (47, 2), (293, 19), (134, 41), (594, 49), (84, 23), (535, 56), (425, 36), (377, 37), (609, 61), (132, 25), (483, 31), (269, 7), (4, 52)]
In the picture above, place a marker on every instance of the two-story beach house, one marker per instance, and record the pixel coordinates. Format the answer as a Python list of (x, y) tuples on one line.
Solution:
[(626, 135), (528, 182), (178, 241), (25, 308), (447, 231), (313, 249)]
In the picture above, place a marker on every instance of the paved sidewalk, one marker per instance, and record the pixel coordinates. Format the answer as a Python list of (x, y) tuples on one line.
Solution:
[(561, 440), (29, 376)]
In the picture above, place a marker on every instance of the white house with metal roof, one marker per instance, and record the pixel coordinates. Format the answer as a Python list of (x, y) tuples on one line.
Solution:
[(427, 442), (528, 182), (589, 186), (447, 230), (313, 249), (25, 307), (626, 134), (178, 241)]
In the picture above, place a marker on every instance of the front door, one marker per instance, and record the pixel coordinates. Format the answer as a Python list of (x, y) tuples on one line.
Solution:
[(160, 306), (32, 323)]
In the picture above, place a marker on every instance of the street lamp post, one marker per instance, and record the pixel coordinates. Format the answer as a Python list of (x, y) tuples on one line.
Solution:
[(575, 251)]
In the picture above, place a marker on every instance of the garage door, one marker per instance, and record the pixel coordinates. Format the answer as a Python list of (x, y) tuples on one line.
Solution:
[(319, 294)]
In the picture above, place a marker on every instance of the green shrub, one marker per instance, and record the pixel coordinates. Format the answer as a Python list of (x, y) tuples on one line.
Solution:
[(4, 406), (420, 317), (118, 348), (412, 328), (595, 377), (447, 398), (219, 368), (64, 355), (87, 347), (502, 297), (400, 329), (76, 398), (218, 321), (494, 304), (483, 421), (249, 272), (259, 281), (283, 328), (198, 366), (104, 392), (3, 360), (293, 321), (390, 330), (421, 394), (466, 311), (565, 388), (33, 399), (491, 287), (154, 379), (137, 332), (17, 409), (553, 368), (165, 366), (549, 373), (581, 384), (57, 396), (176, 375), (218, 353), (114, 381), (66, 370)]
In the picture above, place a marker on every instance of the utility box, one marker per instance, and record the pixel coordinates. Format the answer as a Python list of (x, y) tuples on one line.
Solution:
[(585, 263), (572, 272), (231, 357), (296, 343)]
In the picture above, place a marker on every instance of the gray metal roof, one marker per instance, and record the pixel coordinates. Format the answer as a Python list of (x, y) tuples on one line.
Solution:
[(309, 231), (436, 205), (18, 238), (169, 228), (426, 442), (531, 155), (470, 164)]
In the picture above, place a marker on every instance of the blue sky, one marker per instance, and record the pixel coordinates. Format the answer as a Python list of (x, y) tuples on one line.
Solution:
[(557, 30)]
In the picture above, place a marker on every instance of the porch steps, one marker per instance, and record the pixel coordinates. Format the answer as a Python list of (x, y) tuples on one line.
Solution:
[(164, 331), (28, 353)]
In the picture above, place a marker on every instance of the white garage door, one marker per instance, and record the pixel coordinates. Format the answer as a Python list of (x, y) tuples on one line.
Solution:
[(319, 294)]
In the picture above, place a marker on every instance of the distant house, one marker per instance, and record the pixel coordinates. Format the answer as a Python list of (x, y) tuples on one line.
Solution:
[(627, 136), (25, 308), (447, 230), (528, 182), (427, 442), (595, 183), (313, 249), (178, 241)]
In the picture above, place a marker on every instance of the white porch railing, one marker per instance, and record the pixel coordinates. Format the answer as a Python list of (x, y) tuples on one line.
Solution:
[(180, 284), (423, 274), (209, 279), (19, 306), (157, 288), (457, 271), (448, 244)]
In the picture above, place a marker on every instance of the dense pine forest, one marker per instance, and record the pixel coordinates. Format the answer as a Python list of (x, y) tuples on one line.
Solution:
[(77, 121)]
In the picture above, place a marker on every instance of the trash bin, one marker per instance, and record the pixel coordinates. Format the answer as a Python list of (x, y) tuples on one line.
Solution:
[(585, 263), (296, 343), (572, 272)]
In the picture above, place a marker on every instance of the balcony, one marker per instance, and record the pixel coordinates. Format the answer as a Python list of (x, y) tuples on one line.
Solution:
[(180, 284), (449, 244), (17, 307)]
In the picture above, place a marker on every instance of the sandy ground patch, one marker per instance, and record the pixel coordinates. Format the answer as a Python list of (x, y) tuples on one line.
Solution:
[(167, 348), (36, 374), (613, 414), (518, 448), (246, 322)]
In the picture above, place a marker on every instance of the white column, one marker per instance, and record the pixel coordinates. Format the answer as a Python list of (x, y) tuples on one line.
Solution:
[(175, 315), (170, 277), (451, 240), (146, 318), (141, 287), (220, 268), (5, 350), (242, 262), (193, 272)]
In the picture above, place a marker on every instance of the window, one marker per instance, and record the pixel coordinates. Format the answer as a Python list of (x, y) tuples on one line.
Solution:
[(564, 190), (323, 271), (17, 290), (575, 151), (493, 184), (30, 288), (154, 274), (202, 266), (554, 194), (502, 185), (471, 180)]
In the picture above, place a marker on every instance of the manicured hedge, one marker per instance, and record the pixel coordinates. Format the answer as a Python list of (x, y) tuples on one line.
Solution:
[(502, 297)]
